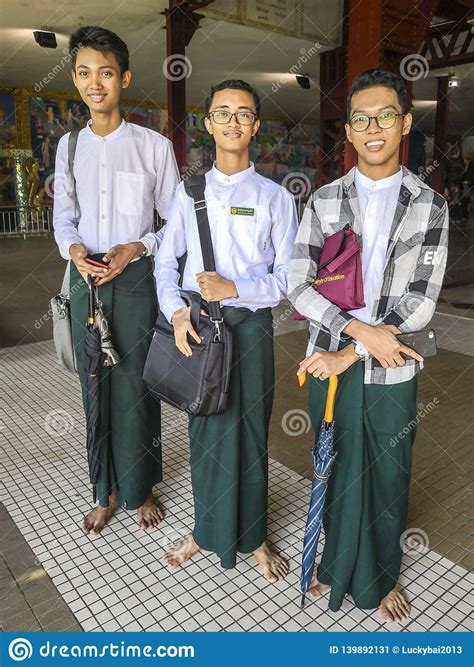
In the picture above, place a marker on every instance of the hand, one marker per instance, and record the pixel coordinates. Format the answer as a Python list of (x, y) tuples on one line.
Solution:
[(214, 287), (324, 364), (118, 258), (182, 326), (78, 253), (381, 343)]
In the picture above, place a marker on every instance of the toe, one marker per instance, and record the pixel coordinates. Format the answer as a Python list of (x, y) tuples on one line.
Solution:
[(269, 576)]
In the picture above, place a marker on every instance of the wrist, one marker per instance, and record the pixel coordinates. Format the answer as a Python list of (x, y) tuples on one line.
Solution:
[(233, 289), (139, 249), (356, 329), (350, 353)]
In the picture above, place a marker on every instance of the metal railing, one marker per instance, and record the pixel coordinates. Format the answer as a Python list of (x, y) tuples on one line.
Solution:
[(29, 221)]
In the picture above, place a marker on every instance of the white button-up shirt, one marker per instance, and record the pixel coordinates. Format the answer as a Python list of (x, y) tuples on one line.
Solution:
[(120, 178), (377, 203), (253, 225)]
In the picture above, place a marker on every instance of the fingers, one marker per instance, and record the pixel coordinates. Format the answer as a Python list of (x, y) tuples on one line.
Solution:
[(411, 353), (182, 342), (84, 267), (181, 337), (194, 334), (309, 364)]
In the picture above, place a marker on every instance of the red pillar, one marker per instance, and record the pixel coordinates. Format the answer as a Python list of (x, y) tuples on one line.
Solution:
[(363, 49), (176, 86), (181, 24)]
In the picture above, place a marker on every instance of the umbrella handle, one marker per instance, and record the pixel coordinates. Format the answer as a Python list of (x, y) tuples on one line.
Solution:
[(330, 399), (91, 301)]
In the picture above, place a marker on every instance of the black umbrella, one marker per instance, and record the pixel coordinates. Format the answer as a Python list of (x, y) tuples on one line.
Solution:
[(92, 358)]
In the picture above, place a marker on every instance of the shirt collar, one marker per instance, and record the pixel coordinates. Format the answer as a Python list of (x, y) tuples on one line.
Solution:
[(363, 181), (121, 129), (410, 181), (225, 179)]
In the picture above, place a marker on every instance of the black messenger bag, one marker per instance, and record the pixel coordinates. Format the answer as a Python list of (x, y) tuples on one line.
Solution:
[(197, 384)]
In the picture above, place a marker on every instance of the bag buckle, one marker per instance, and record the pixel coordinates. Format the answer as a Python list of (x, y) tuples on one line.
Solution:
[(217, 323), (199, 204)]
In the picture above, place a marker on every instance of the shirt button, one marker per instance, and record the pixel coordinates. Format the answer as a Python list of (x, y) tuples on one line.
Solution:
[(103, 192), (103, 217), (224, 207), (103, 166)]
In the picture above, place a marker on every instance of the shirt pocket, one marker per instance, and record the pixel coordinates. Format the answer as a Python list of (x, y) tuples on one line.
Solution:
[(407, 251), (133, 192)]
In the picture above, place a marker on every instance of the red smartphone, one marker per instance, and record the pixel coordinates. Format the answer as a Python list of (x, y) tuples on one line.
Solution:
[(92, 261)]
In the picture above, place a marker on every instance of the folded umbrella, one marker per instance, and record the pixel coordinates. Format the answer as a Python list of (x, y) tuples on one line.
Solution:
[(323, 459), (92, 358)]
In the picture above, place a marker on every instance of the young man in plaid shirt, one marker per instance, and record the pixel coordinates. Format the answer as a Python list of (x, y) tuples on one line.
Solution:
[(402, 228)]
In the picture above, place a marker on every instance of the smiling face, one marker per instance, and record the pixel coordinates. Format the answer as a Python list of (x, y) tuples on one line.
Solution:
[(377, 149), (233, 137), (98, 79)]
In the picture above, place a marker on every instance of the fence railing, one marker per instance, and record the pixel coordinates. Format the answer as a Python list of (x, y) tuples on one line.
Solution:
[(29, 221)]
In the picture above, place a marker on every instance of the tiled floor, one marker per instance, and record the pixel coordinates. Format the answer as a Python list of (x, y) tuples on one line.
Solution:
[(116, 581)]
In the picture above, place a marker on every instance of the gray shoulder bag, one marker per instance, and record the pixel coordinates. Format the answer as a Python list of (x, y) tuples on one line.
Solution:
[(61, 303)]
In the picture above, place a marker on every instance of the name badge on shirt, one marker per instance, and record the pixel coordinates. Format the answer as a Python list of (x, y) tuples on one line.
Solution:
[(240, 210)]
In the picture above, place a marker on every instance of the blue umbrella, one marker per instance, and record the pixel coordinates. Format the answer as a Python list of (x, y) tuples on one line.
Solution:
[(323, 458)]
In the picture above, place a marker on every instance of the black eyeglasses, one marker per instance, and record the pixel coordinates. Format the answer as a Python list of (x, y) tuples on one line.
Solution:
[(384, 120), (224, 117)]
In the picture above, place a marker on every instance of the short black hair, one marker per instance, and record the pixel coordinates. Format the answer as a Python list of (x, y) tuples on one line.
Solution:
[(379, 77), (235, 84), (99, 39)]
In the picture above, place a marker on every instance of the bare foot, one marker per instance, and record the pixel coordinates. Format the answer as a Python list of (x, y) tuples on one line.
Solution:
[(98, 517), (179, 553), (394, 607), (149, 514), (274, 568), (316, 587)]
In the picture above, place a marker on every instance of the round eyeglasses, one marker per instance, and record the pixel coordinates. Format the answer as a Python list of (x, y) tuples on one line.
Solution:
[(384, 120), (224, 117)]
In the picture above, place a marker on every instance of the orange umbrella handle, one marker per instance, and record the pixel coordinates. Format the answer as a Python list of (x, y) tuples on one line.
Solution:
[(330, 399)]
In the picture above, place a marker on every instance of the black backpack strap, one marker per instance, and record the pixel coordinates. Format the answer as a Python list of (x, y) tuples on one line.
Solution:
[(195, 186), (71, 152)]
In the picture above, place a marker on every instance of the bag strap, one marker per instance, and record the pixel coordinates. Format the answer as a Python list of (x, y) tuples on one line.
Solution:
[(195, 186), (71, 153), (343, 257), (343, 232)]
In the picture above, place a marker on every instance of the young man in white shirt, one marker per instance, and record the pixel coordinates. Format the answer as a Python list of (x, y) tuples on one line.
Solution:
[(121, 171), (253, 224), (402, 226)]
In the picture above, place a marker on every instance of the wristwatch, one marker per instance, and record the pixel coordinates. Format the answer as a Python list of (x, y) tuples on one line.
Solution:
[(361, 351)]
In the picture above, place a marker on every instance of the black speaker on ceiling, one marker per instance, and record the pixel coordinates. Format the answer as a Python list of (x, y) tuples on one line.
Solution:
[(303, 81), (45, 39)]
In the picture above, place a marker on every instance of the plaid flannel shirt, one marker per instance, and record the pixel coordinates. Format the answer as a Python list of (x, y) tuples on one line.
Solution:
[(413, 274)]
